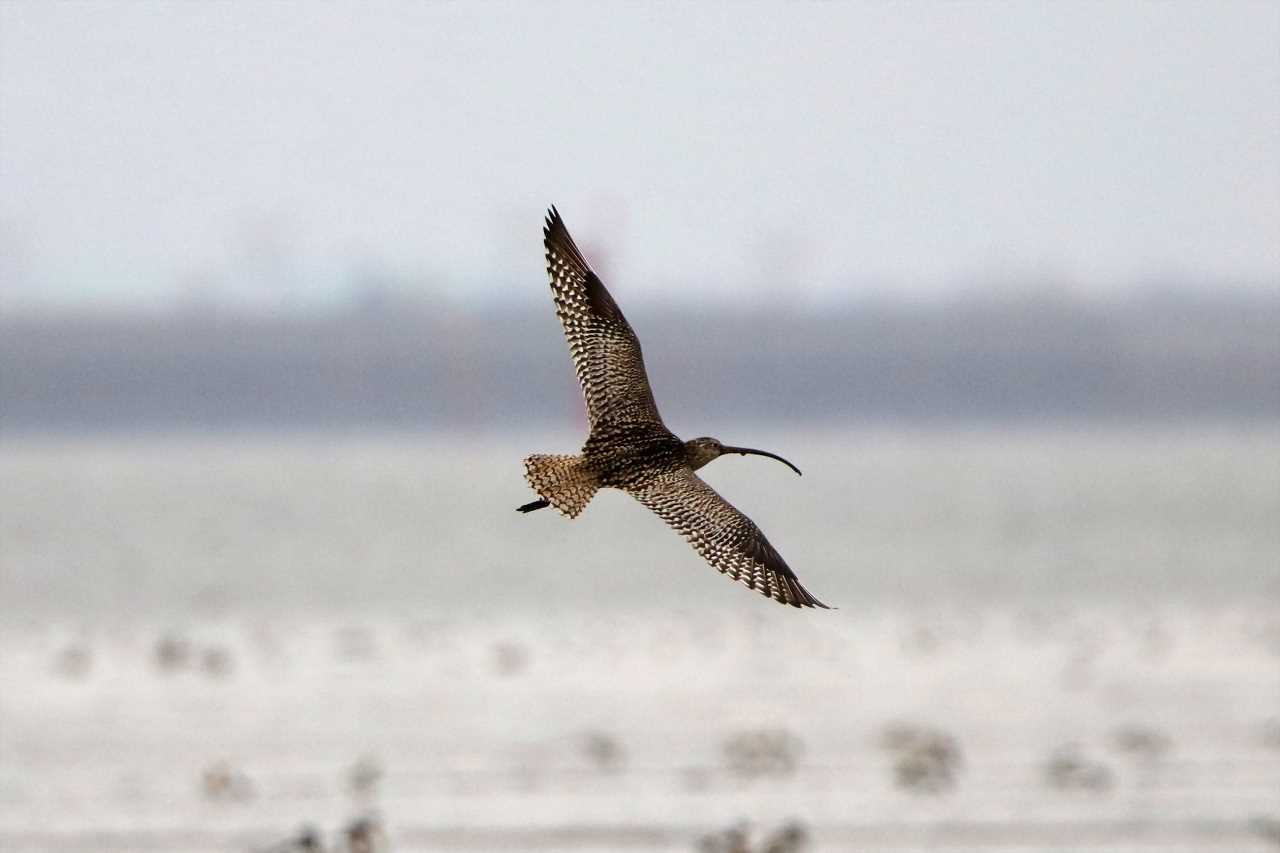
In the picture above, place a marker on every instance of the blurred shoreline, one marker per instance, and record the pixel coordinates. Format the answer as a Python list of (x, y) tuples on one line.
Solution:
[(594, 731), (391, 361)]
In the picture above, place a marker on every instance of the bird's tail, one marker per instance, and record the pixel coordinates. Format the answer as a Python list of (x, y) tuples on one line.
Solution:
[(565, 481)]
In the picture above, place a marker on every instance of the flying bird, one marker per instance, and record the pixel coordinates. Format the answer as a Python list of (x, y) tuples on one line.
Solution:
[(630, 448)]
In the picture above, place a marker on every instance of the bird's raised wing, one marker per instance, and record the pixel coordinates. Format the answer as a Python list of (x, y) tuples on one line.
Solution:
[(606, 352), (725, 538)]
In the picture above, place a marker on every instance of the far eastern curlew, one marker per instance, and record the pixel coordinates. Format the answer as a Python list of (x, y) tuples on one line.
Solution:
[(629, 447)]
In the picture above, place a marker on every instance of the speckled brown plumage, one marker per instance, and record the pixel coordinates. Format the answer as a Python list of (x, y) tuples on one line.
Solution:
[(562, 480), (725, 538), (606, 353), (630, 448)]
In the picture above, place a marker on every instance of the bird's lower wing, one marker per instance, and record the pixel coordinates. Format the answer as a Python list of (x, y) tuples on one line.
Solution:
[(725, 538), (606, 353)]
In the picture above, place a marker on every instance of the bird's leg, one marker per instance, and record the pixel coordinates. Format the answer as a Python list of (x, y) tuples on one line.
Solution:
[(530, 507)]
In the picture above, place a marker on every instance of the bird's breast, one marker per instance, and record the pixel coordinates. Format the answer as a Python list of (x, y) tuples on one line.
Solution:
[(627, 455)]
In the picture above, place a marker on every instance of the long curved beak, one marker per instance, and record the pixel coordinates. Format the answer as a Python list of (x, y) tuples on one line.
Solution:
[(747, 451)]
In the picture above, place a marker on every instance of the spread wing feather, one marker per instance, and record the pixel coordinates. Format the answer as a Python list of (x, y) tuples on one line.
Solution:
[(606, 353), (725, 538)]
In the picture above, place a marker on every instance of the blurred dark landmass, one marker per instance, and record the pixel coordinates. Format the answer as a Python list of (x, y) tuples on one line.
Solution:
[(387, 360)]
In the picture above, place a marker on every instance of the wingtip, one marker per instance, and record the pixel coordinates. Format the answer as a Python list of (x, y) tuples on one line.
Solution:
[(793, 594), (553, 222), (810, 602)]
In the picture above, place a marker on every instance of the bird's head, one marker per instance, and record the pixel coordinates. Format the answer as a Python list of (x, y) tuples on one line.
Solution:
[(700, 451)]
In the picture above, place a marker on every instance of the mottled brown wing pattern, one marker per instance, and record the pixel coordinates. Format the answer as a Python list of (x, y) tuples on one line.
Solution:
[(725, 538), (606, 353)]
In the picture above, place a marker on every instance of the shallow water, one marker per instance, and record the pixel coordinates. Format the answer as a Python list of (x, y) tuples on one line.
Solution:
[(1046, 641), (425, 524)]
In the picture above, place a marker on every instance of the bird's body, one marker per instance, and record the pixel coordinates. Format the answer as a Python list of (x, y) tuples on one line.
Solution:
[(631, 449), (627, 456)]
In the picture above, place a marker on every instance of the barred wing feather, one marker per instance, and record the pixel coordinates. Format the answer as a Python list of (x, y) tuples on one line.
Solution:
[(723, 536), (606, 353)]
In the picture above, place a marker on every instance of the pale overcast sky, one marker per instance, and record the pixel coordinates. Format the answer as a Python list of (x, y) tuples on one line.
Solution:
[(752, 149)]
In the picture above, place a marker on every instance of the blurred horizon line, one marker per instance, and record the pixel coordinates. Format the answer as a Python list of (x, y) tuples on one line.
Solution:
[(373, 290), (387, 361)]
